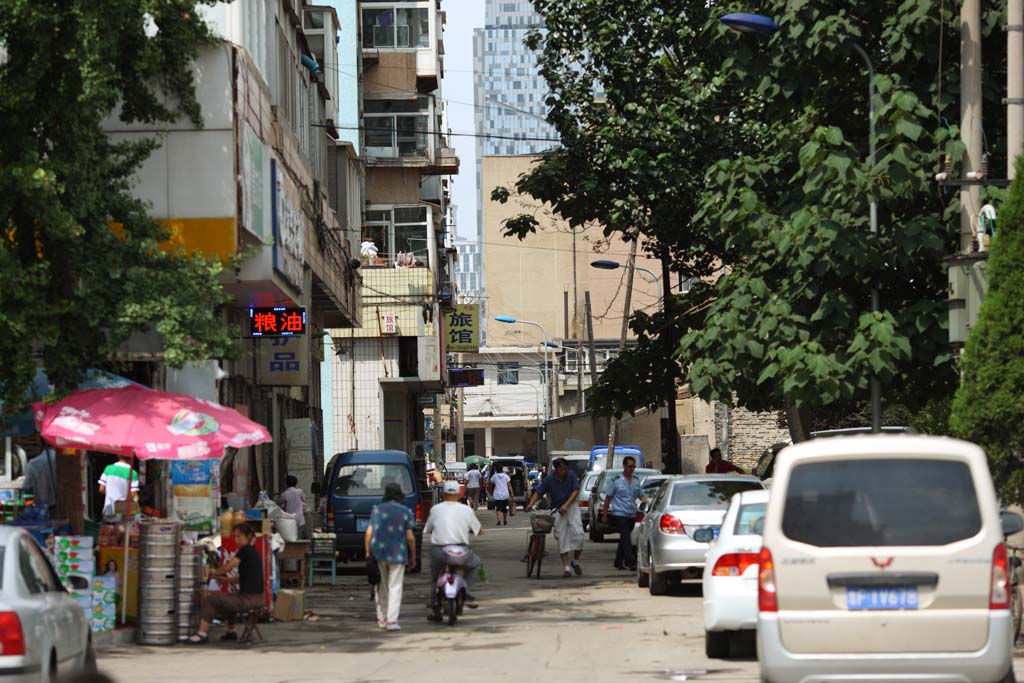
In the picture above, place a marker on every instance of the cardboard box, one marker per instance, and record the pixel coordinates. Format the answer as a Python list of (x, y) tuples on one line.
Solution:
[(77, 567), (64, 555), (73, 543), (103, 623), (289, 605)]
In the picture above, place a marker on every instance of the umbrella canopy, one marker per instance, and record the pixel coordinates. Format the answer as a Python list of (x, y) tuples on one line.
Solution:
[(24, 423), (477, 460), (146, 422)]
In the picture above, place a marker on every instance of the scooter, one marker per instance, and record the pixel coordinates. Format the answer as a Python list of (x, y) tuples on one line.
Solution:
[(451, 589)]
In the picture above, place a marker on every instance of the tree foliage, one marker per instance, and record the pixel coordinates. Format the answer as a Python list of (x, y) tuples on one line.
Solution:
[(80, 269), (743, 158), (989, 405)]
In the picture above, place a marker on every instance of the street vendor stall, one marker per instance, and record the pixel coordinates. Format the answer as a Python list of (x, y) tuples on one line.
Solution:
[(147, 424)]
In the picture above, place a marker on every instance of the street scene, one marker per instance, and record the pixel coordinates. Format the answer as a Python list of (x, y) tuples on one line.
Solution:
[(363, 340)]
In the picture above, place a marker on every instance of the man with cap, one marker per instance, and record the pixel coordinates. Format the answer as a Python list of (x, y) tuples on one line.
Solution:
[(452, 523)]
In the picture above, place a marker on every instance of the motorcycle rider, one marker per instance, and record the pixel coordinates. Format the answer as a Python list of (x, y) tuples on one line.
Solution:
[(452, 523)]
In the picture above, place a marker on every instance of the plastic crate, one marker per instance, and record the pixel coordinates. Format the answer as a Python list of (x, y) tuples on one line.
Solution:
[(323, 543)]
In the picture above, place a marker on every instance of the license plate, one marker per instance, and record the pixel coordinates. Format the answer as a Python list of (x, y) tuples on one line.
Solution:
[(881, 598), (362, 524)]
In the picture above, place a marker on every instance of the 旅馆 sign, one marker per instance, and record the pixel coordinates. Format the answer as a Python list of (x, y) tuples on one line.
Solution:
[(462, 325)]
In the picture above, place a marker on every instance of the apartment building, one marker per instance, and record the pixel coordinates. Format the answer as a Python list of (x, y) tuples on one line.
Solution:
[(385, 373), (262, 180)]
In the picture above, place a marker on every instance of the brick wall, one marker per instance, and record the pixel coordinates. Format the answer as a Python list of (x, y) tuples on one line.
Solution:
[(751, 433)]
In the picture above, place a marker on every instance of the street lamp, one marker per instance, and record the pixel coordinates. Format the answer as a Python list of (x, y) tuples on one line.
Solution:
[(756, 23), (605, 264), (509, 320)]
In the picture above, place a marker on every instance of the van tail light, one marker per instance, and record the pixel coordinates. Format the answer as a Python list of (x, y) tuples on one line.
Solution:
[(584, 504), (734, 564), (671, 525), (419, 513), (767, 595), (999, 594), (330, 517), (12, 637)]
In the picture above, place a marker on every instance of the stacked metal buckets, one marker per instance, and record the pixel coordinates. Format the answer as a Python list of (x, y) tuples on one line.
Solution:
[(158, 583), (190, 579)]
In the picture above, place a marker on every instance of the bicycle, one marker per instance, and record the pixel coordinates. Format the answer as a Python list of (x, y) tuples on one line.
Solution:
[(1016, 605), (541, 524)]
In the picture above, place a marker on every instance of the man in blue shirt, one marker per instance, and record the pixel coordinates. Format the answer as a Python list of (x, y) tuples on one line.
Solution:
[(622, 496), (563, 486)]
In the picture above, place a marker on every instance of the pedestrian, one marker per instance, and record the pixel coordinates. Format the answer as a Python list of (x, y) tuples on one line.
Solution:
[(501, 491), (563, 486), (473, 479), (717, 465), (390, 540), (250, 587), (623, 493), (117, 483), (293, 501), (41, 480)]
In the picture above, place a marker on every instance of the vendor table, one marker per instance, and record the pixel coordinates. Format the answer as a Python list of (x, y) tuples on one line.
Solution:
[(294, 551)]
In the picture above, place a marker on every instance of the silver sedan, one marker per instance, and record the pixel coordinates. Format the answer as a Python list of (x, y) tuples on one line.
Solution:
[(43, 631), (666, 548)]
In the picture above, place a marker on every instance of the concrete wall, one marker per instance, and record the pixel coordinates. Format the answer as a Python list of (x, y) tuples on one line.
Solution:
[(526, 279), (388, 186)]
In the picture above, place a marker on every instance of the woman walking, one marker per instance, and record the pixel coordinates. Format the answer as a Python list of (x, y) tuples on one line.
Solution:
[(390, 540)]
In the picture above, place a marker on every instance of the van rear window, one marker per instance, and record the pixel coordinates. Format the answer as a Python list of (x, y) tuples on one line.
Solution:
[(881, 502), (370, 479)]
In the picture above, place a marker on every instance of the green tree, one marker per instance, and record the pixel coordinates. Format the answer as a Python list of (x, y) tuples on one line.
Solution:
[(989, 405), (80, 269), (744, 159)]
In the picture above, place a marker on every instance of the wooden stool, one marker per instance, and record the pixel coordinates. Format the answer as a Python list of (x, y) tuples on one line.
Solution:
[(251, 620), (323, 564)]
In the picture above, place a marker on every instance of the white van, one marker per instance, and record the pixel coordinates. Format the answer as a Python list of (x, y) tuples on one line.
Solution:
[(882, 560)]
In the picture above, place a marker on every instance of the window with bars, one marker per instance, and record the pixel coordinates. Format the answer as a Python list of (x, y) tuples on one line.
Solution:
[(399, 237), (397, 128), (396, 27)]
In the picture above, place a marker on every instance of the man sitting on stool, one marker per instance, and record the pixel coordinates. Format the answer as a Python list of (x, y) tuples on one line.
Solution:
[(250, 587)]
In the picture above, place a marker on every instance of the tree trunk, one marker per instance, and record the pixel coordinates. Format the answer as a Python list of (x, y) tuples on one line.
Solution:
[(798, 421)]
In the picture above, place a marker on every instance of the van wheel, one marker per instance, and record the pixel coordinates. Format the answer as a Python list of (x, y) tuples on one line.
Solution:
[(1010, 677), (716, 644), (90, 658), (643, 579), (595, 535), (49, 672)]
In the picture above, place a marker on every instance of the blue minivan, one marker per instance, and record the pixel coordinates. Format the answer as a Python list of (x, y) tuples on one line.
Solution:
[(599, 456), (356, 482)]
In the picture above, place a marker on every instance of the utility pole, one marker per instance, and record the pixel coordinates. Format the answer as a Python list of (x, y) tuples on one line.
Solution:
[(613, 431), (1014, 84), (593, 359), (970, 116)]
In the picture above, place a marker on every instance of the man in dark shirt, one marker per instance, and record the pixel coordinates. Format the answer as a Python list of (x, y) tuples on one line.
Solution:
[(250, 587), (563, 486)]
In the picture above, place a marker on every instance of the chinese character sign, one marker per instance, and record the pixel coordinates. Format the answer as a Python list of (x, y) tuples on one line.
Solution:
[(462, 326), (278, 321), (283, 361)]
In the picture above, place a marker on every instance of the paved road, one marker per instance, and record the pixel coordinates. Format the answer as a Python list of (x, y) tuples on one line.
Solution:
[(598, 627)]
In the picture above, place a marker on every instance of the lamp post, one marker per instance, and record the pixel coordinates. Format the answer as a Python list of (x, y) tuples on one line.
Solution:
[(509, 320), (756, 23), (605, 264)]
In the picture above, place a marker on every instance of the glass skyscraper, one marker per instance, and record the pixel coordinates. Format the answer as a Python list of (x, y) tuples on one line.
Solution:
[(509, 93)]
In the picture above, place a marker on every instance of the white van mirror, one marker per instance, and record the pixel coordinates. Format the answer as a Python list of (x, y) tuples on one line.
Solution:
[(1012, 523)]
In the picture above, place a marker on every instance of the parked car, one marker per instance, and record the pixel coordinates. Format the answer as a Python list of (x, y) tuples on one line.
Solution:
[(44, 633), (883, 559), (666, 548), (765, 467), (599, 457), (356, 481), (651, 486), (730, 574), (583, 499), (598, 529)]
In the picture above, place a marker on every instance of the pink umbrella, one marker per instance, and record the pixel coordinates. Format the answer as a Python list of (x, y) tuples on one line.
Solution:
[(147, 423)]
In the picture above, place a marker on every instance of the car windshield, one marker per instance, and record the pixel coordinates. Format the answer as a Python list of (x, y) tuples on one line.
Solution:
[(881, 502), (370, 479), (712, 492), (750, 515), (589, 482), (580, 467)]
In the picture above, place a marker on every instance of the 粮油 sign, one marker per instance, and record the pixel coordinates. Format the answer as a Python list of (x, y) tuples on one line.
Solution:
[(277, 321)]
